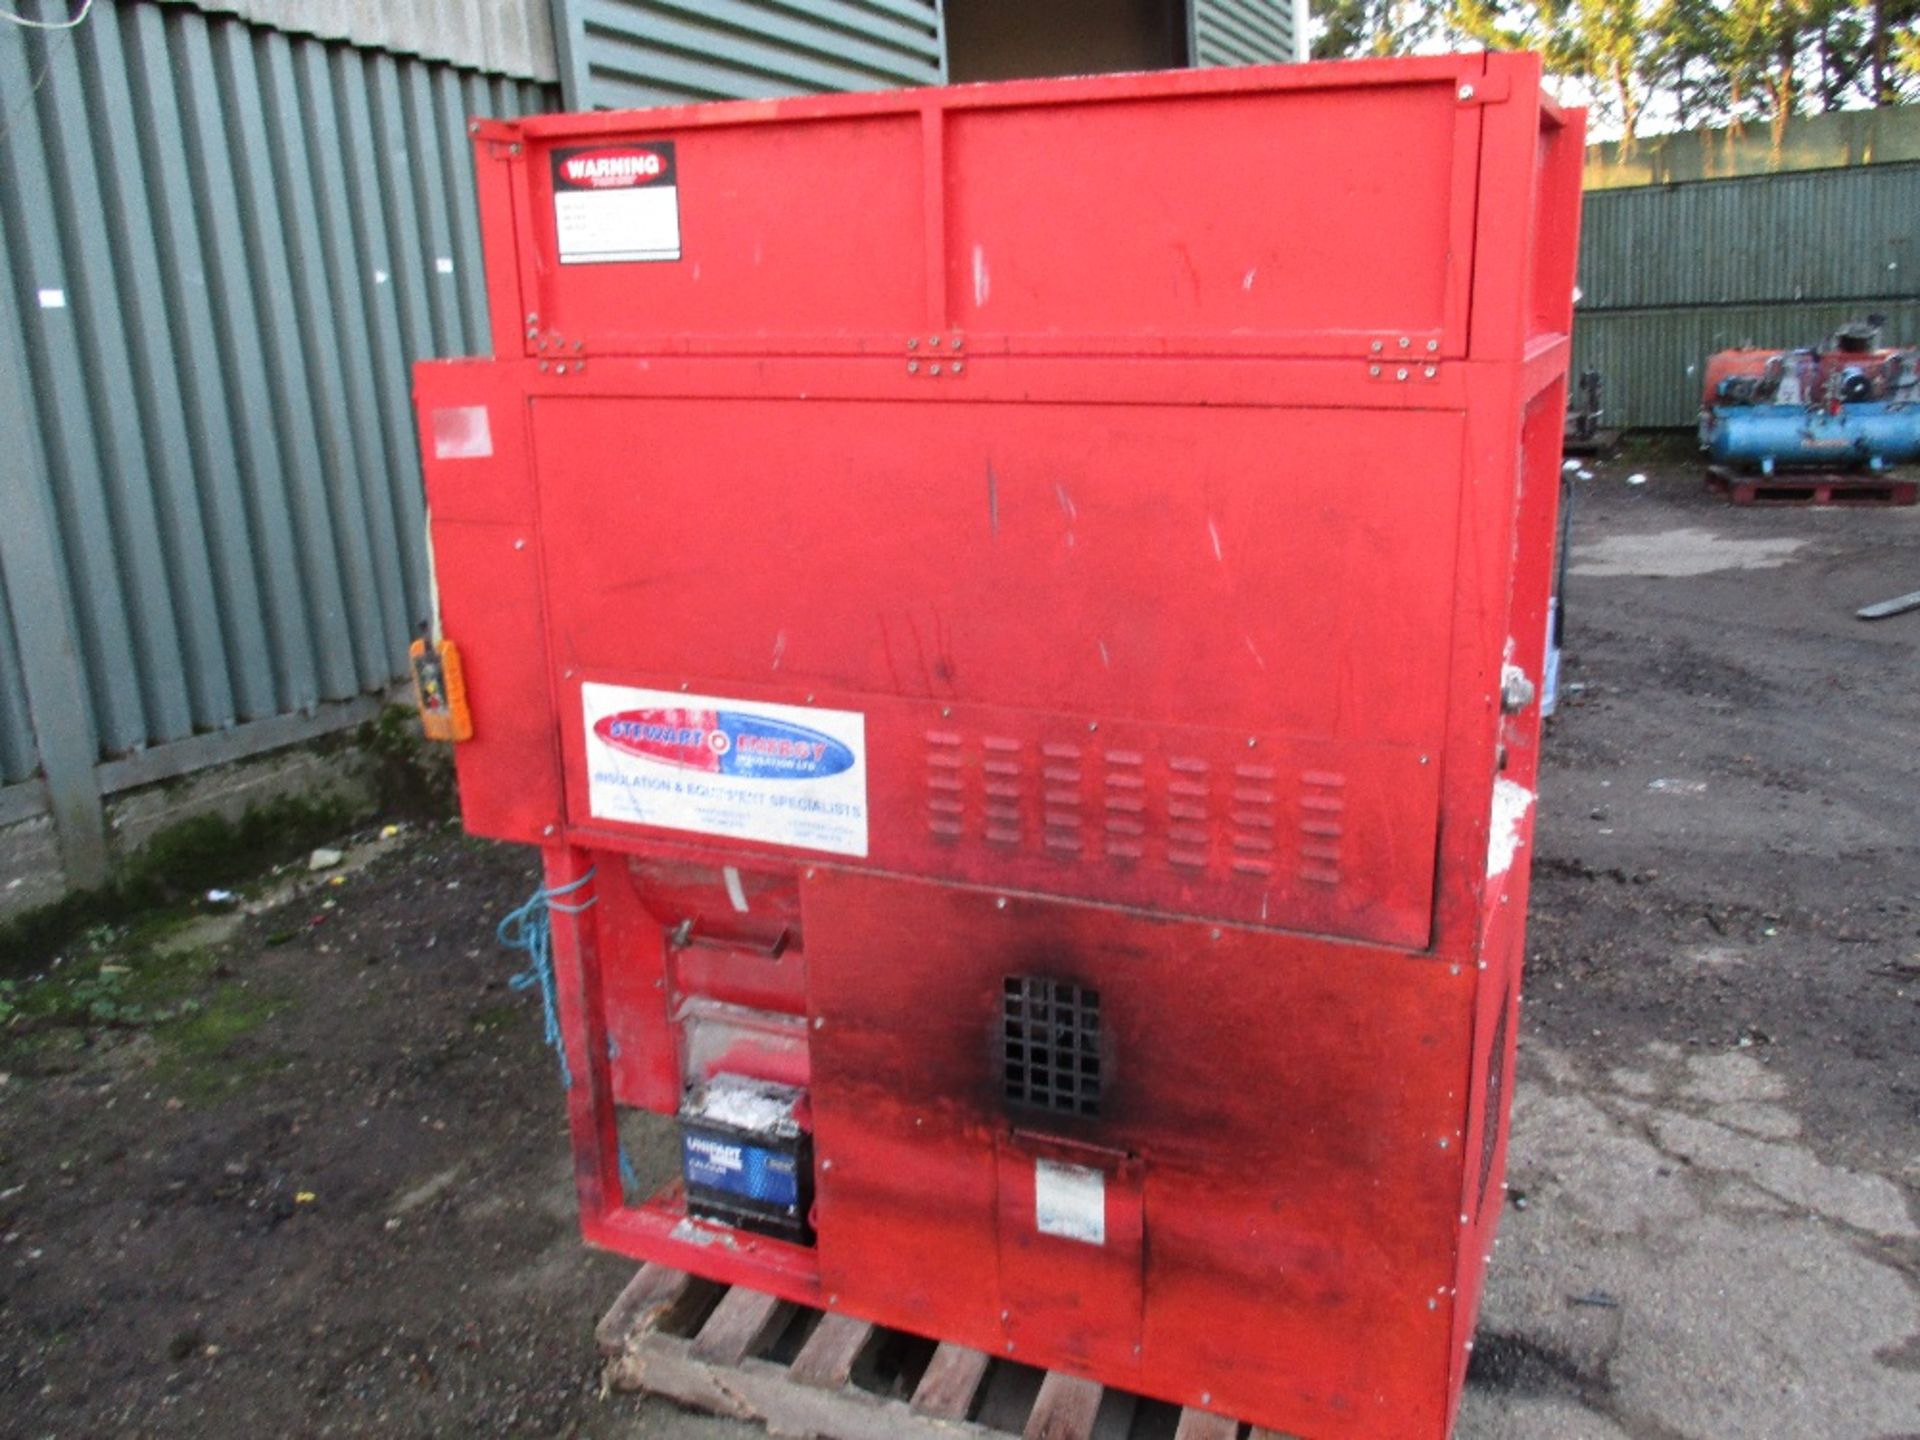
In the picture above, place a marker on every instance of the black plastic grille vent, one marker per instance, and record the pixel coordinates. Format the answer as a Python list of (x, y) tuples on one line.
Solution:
[(1050, 1045)]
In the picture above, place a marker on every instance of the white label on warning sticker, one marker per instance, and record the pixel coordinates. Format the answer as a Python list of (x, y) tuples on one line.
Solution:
[(1070, 1201), (616, 202), (748, 769)]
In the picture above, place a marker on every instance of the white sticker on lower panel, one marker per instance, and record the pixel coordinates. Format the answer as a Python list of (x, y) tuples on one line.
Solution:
[(747, 769), (1070, 1201)]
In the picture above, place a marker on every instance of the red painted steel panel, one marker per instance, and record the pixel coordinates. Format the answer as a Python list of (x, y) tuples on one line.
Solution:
[(952, 567)]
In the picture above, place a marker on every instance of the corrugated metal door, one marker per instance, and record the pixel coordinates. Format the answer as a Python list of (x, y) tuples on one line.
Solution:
[(616, 54), (1242, 32)]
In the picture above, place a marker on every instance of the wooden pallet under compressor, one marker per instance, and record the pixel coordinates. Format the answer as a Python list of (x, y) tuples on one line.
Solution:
[(1813, 487), (802, 1372)]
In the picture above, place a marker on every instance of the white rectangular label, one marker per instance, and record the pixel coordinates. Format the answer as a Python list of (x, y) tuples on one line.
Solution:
[(747, 769), (1070, 1201), (53, 299), (618, 201)]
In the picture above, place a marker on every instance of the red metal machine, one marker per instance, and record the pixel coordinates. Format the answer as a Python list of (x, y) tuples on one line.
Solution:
[(1016, 608)]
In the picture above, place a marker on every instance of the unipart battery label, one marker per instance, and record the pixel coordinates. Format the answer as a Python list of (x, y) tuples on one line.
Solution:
[(739, 768), (616, 202), (765, 1176)]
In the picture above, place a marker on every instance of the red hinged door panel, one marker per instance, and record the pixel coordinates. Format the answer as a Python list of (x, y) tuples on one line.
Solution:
[(1172, 656)]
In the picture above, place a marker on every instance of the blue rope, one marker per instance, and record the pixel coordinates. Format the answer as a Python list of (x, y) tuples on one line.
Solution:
[(530, 929)]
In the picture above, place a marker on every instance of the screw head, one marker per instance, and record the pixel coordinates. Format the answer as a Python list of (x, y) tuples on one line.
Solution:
[(933, 340), (1432, 370), (913, 343), (954, 343), (933, 369), (1376, 347), (958, 366), (1466, 92), (1400, 374), (1433, 345), (1373, 369), (513, 149), (1000, 902), (826, 1164), (913, 367), (1404, 342)]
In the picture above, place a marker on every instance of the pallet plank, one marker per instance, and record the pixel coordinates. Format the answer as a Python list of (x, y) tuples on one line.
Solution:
[(739, 1326), (825, 1362), (652, 1292), (946, 1391), (1065, 1408), (1205, 1425)]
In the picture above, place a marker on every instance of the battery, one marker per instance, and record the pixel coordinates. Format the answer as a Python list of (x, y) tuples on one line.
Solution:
[(746, 1157)]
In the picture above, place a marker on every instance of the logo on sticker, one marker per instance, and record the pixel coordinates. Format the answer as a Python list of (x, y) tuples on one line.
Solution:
[(725, 742), (616, 167)]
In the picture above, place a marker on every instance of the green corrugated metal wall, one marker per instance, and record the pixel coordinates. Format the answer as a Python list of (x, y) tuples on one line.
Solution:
[(616, 54), (223, 245), (1671, 273), (1242, 32)]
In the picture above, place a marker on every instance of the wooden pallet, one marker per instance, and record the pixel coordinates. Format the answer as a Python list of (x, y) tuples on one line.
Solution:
[(802, 1372), (1812, 488)]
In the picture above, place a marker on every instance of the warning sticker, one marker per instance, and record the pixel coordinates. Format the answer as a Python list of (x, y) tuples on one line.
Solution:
[(1070, 1201), (616, 202), (741, 768)]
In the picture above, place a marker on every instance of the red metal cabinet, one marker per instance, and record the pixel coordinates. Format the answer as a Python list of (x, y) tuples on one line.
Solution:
[(1020, 603)]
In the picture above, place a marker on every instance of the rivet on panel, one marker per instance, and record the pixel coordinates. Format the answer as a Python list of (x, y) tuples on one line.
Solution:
[(1443, 1142), (945, 711), (1206, 1397), (533, 317), (1432, 345), (1433, 1304), (1466, 92), (560, 369), (1373, 369), (1093, 725), (1400, 374), (933, 340), (1253, 742), (1432, 370), (954, 343), (1000, 902), (1376, 347), (683, 685), (810, 872), (833, 1299), (543, 367), (819, 1022), (913, 367), (1453, 969), (519, 544), (547, 831), (1425, 759), (826, 1164), (473, 127), (513, 149), (809, 697), (933, 369), (958, 366), (1405, 342), (912, 343), (1009, 1347)]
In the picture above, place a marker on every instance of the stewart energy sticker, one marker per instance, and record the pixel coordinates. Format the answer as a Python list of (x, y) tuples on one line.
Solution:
[(740, 768), (616, 202)]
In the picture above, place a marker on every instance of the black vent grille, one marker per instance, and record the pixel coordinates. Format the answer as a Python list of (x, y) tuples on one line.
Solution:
[(1050, 1045)]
